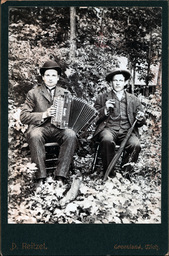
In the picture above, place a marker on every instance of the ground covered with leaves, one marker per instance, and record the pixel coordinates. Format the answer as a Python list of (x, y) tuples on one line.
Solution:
[(86, 198)]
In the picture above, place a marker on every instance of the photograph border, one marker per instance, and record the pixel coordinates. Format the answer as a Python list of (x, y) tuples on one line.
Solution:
[(83, 239)]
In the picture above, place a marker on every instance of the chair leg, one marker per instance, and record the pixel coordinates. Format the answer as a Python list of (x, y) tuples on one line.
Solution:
[(95, 158), (96, 155)]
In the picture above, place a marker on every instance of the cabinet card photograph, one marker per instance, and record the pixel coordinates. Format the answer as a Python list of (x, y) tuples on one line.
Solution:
[(85, 135)]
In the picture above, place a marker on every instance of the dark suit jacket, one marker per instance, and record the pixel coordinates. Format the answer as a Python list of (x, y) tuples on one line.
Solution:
[(133, 106), (37, 101)]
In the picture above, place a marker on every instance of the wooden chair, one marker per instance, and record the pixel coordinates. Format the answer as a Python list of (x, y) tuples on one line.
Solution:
[(52, 152), (97, 162)]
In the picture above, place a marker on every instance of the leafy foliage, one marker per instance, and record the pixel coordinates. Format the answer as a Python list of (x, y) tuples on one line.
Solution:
[(133, 32)]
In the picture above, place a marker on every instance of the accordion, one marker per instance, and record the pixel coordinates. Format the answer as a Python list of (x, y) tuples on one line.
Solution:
[(72, 112)]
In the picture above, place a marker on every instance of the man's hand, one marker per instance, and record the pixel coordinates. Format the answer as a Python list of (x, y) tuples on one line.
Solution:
[(110, 104), (140, 116), (49, 112)]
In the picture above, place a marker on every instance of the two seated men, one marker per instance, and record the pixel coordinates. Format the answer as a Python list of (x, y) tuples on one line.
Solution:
[(117, 111)]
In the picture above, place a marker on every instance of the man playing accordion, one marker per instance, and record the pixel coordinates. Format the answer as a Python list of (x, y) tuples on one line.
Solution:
[(37, 112)]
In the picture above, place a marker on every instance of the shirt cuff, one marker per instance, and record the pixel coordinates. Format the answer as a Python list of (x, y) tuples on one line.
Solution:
[(44, 116), (106, 112)]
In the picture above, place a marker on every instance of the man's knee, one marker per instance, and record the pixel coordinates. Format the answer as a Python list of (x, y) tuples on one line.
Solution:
[(106, 137), (35, 134), (135, 144), (106, 141), (69, 133)]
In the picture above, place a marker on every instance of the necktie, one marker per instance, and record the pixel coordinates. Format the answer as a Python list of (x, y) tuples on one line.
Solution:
[(51, 91)]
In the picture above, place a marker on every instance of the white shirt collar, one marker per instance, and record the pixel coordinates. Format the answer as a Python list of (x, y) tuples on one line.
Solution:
[(51, 90), (119, 94)]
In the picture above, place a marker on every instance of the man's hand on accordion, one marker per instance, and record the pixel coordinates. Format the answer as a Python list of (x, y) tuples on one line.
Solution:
[(49, 112)]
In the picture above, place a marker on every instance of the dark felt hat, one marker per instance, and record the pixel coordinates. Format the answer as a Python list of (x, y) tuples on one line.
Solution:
[(125, 73), (50, 65)]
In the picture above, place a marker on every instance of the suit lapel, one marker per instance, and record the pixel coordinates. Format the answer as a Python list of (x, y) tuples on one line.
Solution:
[(58, 91), (109, 95), (46, 94), (128, 100)]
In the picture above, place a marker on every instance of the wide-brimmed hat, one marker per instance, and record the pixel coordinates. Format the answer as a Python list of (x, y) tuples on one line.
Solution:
[(125, 73), (50, 65)]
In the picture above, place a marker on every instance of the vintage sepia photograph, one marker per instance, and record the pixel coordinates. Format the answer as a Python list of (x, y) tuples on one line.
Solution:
[(84, 114)]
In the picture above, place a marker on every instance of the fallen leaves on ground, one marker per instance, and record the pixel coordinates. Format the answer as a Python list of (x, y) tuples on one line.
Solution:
[(117, 200)]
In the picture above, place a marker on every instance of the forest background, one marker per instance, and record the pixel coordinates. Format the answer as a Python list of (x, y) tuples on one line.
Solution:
[(88, 42)]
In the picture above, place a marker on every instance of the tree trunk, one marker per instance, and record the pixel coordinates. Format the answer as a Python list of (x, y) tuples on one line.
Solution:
[(159, 78), (148, 68), (131, 80), (72, 32), (134, 78)]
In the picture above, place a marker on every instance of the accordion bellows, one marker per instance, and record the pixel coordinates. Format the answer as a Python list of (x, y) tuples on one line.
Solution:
[(72, 112)]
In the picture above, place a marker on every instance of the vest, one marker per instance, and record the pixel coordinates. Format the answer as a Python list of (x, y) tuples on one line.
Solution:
[(118, 116)]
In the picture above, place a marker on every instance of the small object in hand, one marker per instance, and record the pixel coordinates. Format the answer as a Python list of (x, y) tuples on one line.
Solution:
[(110, 104), (140, 116)]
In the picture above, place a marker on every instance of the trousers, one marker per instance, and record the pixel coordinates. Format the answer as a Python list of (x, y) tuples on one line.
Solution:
[(67, 140), (109, 139)]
